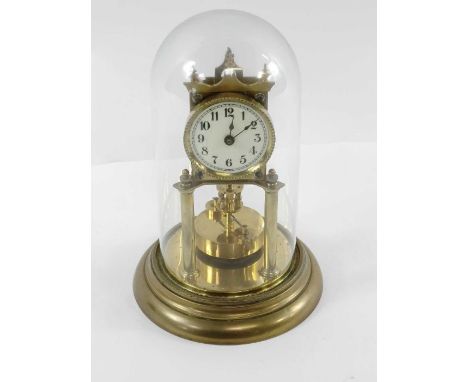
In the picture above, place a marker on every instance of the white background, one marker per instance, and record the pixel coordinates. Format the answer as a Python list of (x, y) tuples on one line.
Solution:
[(44, 203), (335, 46)]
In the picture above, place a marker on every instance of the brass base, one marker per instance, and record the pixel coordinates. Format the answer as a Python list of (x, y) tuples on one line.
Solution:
[(224, 318)]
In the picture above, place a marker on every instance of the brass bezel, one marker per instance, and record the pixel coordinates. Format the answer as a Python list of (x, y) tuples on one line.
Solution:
[(249, 173)]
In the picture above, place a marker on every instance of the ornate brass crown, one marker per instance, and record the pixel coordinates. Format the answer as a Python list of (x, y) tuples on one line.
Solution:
[(229, 77)]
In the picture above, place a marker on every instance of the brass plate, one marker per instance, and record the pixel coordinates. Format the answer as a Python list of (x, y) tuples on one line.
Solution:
[(227, 318)]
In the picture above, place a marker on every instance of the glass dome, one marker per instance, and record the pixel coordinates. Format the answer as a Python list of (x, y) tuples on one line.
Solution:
[(226, 108)]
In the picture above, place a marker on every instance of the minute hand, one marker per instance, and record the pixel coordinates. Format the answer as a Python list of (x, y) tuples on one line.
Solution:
[(245, 128)]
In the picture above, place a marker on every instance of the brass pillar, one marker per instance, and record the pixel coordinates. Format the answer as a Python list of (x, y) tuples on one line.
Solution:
[(269, 269), (187, 226)]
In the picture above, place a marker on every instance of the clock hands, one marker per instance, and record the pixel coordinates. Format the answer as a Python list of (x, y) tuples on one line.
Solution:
[(231, 126), (244, 129), (253, 123), (230, 139)]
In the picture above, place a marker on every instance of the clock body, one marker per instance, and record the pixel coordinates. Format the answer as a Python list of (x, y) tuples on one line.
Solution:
[(229, 135)]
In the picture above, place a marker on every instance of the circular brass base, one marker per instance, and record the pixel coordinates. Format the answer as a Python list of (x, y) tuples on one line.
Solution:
[(224, 318)]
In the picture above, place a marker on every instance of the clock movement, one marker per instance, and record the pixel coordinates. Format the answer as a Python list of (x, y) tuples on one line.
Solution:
[(227, 268)]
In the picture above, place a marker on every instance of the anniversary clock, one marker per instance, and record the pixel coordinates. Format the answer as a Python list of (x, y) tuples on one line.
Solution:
[(227, 268)]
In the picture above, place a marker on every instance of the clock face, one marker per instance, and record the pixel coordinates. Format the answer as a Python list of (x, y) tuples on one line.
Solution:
[(230, 136)]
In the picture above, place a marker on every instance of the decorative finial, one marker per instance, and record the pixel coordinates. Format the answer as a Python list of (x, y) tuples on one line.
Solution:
[(229, 59), (185, 178), (228, 63), (265, 73), (272, 177), (194, 77)]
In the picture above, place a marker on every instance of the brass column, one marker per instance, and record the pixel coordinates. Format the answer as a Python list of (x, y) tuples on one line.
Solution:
[(187, 216), (269, 269)]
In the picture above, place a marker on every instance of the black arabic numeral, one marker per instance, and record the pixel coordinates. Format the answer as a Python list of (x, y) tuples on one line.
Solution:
[(257, 138), (229, 162), (201, 138), (214, 159), (253, 125), (204, 151), (243, 115), (205, 125), (228, 112), (243, 159), (214, 115), (254, 150)]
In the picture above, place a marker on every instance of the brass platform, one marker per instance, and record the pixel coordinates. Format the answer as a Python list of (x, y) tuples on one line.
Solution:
[(228, 318), (225, 275)]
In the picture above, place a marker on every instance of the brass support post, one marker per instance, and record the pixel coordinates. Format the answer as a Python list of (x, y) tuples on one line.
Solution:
[(271, 226), (187, 218)]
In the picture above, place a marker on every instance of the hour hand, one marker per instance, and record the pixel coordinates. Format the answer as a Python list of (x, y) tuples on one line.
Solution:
[(229, 139), (231, 126)]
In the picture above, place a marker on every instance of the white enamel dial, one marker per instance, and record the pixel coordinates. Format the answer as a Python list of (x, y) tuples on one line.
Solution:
[(229, 137)]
